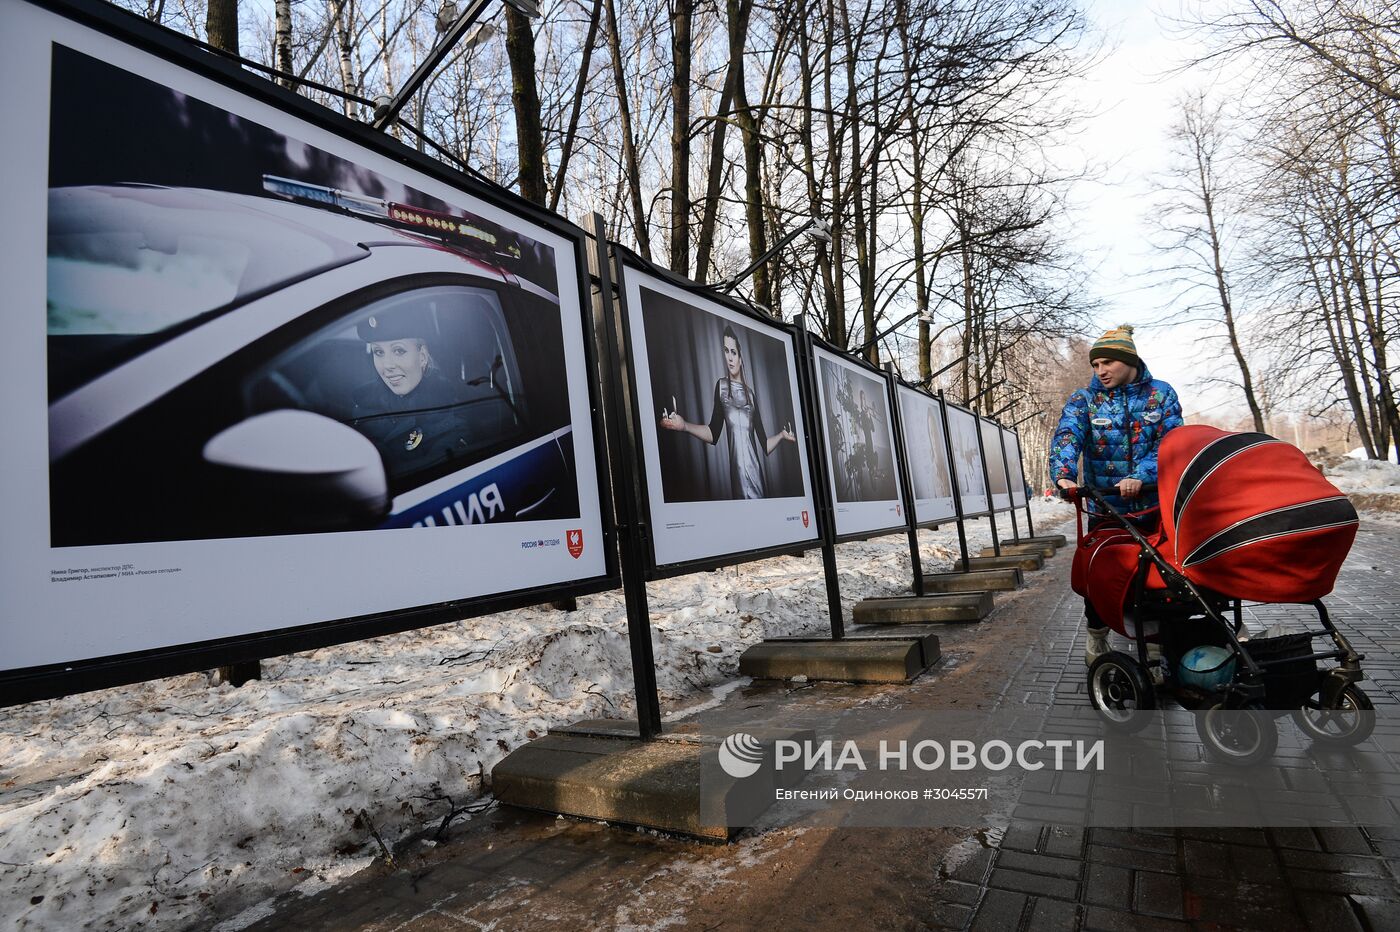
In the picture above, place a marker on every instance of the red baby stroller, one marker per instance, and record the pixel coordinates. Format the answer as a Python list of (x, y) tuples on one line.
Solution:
[(1244, 517)]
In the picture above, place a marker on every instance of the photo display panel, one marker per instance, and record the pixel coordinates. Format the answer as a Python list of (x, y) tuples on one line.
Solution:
[(720, 420), (282, 378), (860, 446), (968, 469), (926, 452), (1011, 443), (996, 464)]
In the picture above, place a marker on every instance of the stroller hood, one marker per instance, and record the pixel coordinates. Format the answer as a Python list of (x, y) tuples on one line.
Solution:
[(1249, 517)]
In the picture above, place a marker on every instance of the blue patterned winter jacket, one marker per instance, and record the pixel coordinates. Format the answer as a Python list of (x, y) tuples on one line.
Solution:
[(1117, 432)]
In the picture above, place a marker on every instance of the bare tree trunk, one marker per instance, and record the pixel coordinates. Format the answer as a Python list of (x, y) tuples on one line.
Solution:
[(343, 17), (1227, 307), (221, 24), (680, 136), (836, 330), (567, 150), (524, 95), (753, 155), (815, 206), (715, 179), (629, 142), (283, 40)]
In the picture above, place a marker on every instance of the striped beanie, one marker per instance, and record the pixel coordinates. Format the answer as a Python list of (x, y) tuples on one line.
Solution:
[(1117, 344)]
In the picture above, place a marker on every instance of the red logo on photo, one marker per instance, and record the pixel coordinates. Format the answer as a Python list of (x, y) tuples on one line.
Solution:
[(898, 509), (575, 541), (804, 518)]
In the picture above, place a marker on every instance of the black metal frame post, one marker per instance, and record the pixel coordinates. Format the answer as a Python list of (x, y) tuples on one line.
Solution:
[(1010, 496), (896, 413), (987, 485), (624, 454), (953, 475), (1030, 524), (821, 491)]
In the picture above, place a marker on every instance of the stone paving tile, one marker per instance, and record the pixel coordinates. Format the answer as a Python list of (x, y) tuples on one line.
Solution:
[(1326, 879)]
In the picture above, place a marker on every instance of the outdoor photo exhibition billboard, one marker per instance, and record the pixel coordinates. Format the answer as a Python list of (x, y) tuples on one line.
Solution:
[(1011, 444), (724, 450), (860, 446), (926, 452), (268, 376), (968, 470), (996, 464)]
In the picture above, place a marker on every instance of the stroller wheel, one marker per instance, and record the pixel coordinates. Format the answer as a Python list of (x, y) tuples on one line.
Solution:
[(1122, 691), (1349, 722), (1241, 736)]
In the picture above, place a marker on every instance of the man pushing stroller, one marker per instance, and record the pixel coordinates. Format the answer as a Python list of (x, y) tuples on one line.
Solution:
[(1115, 424)]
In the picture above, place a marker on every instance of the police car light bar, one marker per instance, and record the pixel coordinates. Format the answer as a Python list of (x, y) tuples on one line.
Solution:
[(433, 221), (436, 220), (320, 194)]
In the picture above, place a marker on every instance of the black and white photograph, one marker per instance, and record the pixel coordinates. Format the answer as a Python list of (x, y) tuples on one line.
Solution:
[(926, 451), (721, 425), (996, 464), (860, 447), (260, 338), (1011, 445), (968, 468)]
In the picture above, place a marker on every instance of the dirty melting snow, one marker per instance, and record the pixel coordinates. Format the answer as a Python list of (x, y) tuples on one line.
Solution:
[(161, 804)]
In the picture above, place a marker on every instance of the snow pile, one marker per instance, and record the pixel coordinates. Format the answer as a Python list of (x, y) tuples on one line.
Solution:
[(1360, 454), (1362, 475), (153, 805)]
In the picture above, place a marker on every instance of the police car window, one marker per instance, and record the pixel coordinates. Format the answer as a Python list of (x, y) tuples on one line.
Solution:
[(430, 376), (129, 263)]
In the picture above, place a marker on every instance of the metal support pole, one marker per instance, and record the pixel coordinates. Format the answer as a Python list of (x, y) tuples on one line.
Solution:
[(903, 462), (1011, 498), (821, 485), (1030, 525), (987, 485), (625, 453), (953, 475)]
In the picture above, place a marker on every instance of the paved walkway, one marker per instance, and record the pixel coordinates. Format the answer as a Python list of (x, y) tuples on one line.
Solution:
[(516, 870), (1325, 880)]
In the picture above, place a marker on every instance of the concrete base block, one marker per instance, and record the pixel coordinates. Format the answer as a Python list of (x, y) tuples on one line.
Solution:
[(924, 609), (978, 581), (1024, 561), (849, 660), (1020, 549), (1056, 540), (600, 769)]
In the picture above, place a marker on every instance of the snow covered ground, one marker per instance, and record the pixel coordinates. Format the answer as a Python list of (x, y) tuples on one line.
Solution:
[(151, 806)]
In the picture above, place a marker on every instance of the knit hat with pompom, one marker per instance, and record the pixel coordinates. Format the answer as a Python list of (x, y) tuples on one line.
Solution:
[(1117, 344)]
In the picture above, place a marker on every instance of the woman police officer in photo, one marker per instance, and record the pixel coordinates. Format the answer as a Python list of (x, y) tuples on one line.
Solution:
[(409, 411)]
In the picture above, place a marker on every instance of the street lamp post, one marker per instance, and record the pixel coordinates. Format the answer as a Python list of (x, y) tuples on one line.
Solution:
[(819, 229)]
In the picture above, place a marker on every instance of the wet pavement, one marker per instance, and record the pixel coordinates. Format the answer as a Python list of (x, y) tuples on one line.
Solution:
[(508, 869)]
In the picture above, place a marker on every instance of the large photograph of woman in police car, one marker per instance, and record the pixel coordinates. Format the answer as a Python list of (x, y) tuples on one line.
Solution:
[(248, 335)]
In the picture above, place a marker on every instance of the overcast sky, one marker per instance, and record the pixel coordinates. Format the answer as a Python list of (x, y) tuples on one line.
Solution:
[(1133, 94)]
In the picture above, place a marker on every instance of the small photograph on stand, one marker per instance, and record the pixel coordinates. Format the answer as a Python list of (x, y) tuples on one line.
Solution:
[(996, 465), (1011, 444), (968, 468), (859, 432), (926, 452)]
